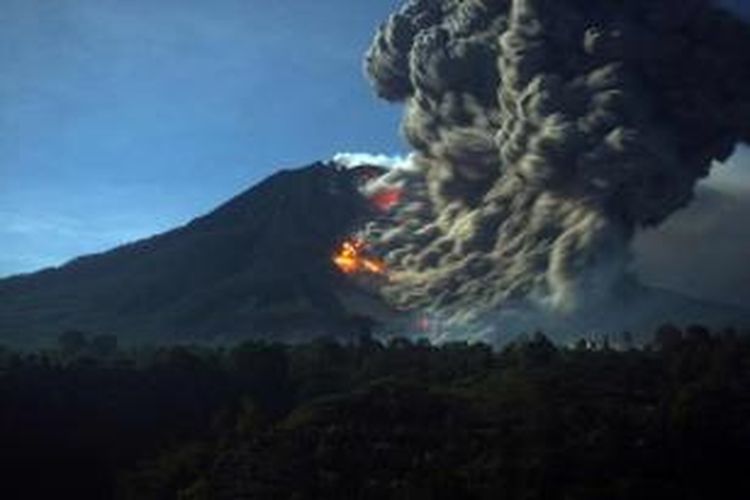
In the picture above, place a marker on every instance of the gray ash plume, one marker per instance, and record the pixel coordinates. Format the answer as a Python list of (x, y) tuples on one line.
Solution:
[(547, 132)]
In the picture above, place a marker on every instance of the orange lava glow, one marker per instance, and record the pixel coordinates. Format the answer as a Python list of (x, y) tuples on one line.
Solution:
[(387, 199), (350, 258)]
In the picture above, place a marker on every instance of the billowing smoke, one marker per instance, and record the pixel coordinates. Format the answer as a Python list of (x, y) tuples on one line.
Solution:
[(547, 132)]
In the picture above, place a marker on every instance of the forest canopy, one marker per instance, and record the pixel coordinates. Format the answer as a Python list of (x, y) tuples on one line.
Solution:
[(368, 419)]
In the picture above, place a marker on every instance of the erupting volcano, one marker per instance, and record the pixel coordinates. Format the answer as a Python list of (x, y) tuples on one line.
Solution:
[(544, 137)]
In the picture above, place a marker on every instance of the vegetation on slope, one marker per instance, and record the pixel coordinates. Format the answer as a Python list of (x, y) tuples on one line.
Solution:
[(371, 420)]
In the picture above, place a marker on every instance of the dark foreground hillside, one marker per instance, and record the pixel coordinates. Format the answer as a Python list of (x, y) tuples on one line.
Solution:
[(400, 420)]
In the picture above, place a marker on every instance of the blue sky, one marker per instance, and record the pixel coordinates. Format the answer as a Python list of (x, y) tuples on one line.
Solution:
[(122, 118)]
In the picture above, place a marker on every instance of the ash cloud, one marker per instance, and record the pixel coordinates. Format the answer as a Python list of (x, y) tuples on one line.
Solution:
[(547, 134)]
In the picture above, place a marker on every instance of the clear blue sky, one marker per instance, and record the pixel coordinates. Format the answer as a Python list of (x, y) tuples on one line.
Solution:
[(122, 118)]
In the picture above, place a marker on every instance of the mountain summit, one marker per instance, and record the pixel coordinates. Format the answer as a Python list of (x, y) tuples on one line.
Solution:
[(259, 263)]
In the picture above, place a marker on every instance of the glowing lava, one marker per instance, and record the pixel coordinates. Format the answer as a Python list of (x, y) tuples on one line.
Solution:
[(386, 199), (351, 259)]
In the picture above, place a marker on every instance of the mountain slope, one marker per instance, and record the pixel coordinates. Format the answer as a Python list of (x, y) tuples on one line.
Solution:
[(259, 263)]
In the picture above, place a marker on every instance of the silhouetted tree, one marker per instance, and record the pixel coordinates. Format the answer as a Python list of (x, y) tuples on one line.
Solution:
[(104, 345), (72, 342), (668, 337)]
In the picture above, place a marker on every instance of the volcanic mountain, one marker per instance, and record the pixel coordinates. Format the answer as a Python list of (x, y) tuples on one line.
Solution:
[(258, 265), (261, 266)]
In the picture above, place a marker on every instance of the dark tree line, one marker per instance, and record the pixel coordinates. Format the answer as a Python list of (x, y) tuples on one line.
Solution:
[(402, 419)]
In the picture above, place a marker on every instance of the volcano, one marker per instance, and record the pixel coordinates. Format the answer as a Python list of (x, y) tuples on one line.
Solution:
[(257, 266), (264, 266)]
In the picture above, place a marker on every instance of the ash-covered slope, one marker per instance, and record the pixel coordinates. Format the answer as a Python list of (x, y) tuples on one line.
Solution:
[(258, 265)]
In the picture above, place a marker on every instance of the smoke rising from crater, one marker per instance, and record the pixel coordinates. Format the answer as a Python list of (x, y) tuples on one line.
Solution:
[(547, 132)]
